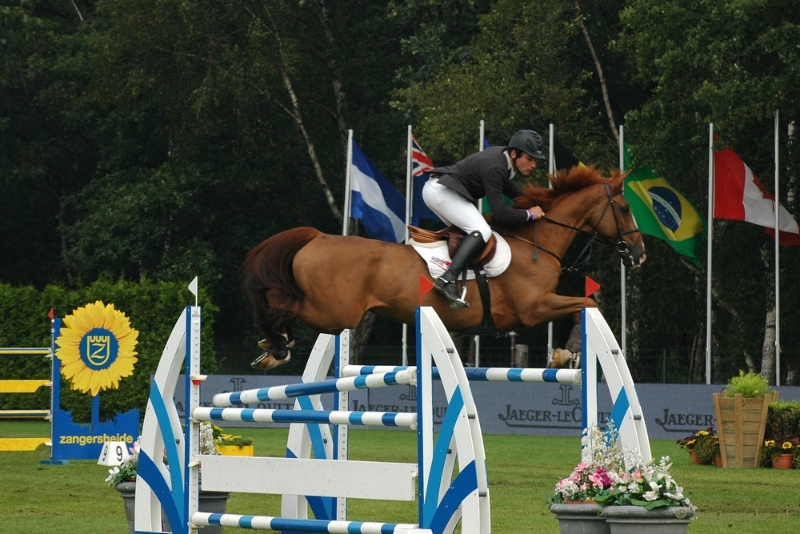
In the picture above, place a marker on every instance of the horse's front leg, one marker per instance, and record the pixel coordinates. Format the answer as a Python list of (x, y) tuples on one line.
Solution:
[(558, 306), (553, 307)]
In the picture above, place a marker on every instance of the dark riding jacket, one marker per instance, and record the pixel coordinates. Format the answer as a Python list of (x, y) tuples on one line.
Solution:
[(485, 174)]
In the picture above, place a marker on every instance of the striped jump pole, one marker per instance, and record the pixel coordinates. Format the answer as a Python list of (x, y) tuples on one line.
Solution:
[(333, 385), (331, 417), (302, 525), (483, 374)]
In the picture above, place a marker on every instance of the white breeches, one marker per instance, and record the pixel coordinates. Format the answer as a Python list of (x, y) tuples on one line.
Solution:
[(453, 208)]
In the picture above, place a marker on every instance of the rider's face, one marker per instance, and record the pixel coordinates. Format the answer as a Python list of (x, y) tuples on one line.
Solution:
[(525, 164)]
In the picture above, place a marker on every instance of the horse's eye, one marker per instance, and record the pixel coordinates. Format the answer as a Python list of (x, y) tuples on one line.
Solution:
[(625, 210)]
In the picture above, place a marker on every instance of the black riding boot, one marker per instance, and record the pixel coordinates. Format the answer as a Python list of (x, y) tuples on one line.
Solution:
[(446, 284)]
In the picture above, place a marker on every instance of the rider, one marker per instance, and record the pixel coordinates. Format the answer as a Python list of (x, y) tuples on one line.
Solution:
[(452, 191)]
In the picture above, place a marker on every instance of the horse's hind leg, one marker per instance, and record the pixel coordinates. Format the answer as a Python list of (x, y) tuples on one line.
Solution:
[(276, 350)]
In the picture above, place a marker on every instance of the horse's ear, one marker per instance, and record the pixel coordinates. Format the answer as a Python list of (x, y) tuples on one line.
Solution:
[(617, 180)]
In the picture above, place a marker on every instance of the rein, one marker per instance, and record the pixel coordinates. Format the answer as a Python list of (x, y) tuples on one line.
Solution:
[(583, 257)]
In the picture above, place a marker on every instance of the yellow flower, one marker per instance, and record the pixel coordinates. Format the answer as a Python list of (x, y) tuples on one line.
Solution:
[(702, 433), (769, 443), (96, 348), (786, 445)]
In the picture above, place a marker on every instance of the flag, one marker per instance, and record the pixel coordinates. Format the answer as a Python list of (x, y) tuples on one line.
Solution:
[(563, 157), (591, 287), (425, 285), (662, 211), (738, 195), (375, 201), (421, 166)]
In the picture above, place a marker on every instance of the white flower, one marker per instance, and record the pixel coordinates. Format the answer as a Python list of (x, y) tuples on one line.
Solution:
[(112, 473), (651, 496)]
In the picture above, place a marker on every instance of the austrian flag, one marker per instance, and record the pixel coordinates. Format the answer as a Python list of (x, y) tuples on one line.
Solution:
[(738, 195)]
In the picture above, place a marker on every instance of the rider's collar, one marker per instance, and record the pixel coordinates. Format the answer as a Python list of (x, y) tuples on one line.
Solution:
[(510, 166)]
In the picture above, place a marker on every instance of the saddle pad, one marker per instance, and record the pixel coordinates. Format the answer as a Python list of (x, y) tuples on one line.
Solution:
[(438, 259)]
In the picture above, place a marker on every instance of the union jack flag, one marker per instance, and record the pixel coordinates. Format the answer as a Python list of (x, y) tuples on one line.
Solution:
[(420, 162)]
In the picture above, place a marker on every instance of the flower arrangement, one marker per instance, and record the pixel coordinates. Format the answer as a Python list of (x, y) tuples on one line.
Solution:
[(777, 447), (703, 444), (602, 476), (595, 474), (221, 438), (782, 432), (649, 486), (127, 470)]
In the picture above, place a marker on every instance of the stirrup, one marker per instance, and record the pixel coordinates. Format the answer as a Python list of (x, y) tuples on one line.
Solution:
[(449, 290)]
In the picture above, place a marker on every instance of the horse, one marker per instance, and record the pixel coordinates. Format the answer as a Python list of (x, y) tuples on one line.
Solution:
[(329, 281)]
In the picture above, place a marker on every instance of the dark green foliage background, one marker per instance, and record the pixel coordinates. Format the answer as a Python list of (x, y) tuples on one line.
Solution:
[(152, 307)]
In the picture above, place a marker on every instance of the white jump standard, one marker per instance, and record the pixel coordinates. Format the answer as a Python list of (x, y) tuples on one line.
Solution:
[(449, 479)]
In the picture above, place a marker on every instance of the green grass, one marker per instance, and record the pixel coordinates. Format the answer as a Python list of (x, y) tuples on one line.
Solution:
[(45, 499)]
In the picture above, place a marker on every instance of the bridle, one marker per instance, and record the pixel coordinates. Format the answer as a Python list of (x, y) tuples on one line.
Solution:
[(622, 247)]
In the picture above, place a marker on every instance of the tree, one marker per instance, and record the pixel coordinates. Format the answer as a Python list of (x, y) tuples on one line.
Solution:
[(731, 63)]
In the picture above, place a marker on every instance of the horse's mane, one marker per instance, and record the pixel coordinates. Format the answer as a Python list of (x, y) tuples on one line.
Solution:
[(565, 182)]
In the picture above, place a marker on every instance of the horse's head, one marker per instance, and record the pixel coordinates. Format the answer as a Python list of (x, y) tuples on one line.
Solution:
[(616, 223), (584, 200)]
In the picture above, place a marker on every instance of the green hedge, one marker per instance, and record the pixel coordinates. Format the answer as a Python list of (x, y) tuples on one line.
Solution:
[(152, 307)]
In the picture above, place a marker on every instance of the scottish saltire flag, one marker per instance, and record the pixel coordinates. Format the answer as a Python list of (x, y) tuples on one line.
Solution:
[(421, 165), (375, 201), (662, 211)]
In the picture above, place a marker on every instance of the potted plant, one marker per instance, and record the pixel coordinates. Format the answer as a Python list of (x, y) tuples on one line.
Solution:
[(781, 435), (741, 411), (707, 447), (230, 445), (573, 500), (781, 453), (631, 496), (123, 479), (646, 498), (691, 442)]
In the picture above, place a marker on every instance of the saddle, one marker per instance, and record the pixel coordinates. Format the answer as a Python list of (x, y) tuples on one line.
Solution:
[(453, 235)]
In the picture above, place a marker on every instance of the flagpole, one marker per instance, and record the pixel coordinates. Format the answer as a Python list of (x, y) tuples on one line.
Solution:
[(551, 169), (777, 262), (477, 339), (708, 252), (348, 171), (409, 200), (622, 271)]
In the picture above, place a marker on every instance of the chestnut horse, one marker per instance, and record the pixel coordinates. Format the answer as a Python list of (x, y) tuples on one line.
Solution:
[(329, 281)]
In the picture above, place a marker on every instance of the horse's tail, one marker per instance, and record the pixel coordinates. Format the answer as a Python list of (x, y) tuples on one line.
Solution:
[(268, 279)]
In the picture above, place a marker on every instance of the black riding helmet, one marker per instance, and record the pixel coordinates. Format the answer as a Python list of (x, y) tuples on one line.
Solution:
[(529, 142)]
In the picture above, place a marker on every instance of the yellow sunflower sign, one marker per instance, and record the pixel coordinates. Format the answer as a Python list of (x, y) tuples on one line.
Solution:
[(96, 348)]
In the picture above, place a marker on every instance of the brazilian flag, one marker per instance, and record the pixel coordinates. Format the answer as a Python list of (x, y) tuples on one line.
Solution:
[(662, 211)]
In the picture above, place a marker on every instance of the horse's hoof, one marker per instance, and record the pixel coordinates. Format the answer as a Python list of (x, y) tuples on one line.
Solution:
[(564, 359), (267, 362)]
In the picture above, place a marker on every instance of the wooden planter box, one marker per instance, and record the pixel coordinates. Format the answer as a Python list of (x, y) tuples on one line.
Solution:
[(235, 450), (740, 425)]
